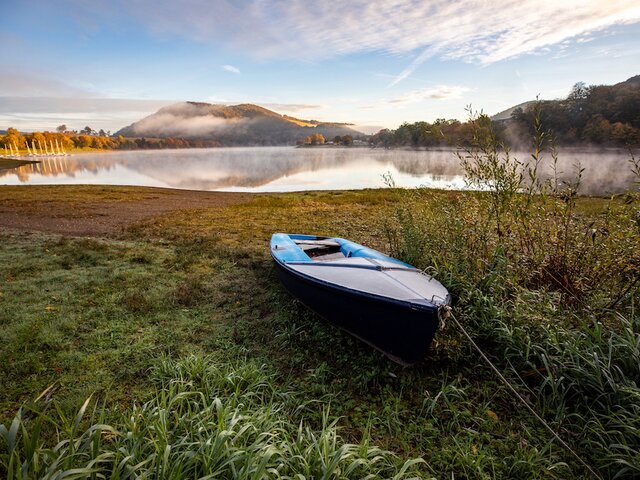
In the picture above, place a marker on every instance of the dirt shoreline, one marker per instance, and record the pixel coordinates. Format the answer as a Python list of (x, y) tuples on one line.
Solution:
[(97, 210)]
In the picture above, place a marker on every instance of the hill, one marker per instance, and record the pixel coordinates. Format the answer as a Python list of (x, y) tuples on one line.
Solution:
[(244, 124), (607, 115), (506, 114)]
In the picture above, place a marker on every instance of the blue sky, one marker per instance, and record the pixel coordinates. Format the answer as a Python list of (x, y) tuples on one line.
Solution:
[(372, 63)]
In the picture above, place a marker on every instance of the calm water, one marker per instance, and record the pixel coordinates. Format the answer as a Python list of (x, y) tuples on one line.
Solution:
[(279, 169)]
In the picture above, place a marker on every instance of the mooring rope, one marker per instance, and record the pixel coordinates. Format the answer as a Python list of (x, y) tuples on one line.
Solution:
[(444, 312)]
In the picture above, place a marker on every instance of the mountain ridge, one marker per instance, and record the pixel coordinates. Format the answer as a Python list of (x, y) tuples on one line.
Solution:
[(242, 124)]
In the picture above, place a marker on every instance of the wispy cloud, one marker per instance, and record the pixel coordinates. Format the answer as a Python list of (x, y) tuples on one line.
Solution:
[(14, 81), (440, 92), (419, 60), (290, 107), (45, 113), (231, 68), (112, 113), (64, 105), (267, 103), (469, 30)]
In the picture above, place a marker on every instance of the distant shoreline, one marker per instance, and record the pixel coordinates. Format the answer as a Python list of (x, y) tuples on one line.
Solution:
[(6, 163), (332, 146)]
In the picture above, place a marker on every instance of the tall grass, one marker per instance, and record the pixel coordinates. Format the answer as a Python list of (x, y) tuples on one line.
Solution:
[(548, 287), (205, 421)]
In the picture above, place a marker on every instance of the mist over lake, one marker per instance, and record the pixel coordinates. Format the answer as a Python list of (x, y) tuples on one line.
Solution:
[(280, 169)]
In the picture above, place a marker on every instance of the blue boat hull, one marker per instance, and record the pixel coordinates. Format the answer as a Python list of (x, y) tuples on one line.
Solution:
[(401, 330)]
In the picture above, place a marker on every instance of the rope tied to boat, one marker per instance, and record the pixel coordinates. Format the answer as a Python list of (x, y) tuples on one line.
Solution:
[(444, 313)]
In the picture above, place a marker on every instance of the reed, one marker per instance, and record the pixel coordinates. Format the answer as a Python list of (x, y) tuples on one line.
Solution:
[(203, 422), (549, 290)]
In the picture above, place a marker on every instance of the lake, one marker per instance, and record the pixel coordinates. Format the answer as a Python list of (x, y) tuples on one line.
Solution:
[(281, 169)]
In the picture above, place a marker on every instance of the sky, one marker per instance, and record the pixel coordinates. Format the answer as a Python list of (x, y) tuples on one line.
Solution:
[(372, 63)]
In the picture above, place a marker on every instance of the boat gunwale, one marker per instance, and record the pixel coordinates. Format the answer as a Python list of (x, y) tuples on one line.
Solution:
[(338, 264), (430, 307)]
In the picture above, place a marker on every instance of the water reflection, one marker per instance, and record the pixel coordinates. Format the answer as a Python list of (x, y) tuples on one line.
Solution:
[(287, 169)]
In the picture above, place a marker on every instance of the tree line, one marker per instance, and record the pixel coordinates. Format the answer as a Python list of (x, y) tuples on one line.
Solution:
[(319, 139), (596, 114), (605, 115), (442, 132), (89, 139)]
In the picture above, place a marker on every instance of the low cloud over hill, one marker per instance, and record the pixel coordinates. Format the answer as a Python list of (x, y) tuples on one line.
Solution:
[(244, 124)]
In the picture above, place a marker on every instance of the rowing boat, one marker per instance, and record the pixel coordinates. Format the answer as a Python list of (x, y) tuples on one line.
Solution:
[(387, 303)]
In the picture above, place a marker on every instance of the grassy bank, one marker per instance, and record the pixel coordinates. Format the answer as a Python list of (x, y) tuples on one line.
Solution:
[(197, 362)]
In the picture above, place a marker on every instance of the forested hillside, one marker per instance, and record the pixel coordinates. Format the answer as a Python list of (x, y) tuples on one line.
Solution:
[(603, 115), (596, 114)]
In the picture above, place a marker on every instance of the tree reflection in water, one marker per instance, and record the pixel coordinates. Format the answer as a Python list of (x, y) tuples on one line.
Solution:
[(287, 168)]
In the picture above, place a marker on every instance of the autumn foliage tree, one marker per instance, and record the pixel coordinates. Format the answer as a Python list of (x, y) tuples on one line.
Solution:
[(315, 139), (13, 139), (597, 114), (68, 141), (442, 132), (601, 115)]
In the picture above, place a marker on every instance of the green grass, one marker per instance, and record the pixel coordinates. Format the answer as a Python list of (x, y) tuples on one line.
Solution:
[(203, 422), (156, 326)]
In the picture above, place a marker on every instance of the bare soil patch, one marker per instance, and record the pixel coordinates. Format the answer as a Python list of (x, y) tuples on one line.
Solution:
[(88, 210)]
